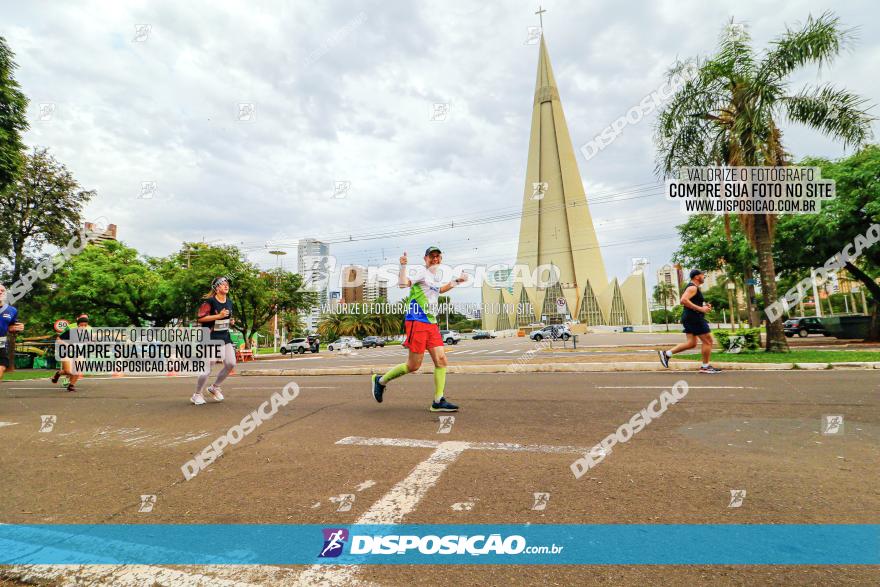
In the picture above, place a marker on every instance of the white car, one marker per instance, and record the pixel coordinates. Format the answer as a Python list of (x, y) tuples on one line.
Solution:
[(345, 342), (450, 336), (297, 345)]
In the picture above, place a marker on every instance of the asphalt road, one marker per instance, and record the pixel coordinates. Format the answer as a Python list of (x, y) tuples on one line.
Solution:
[(118, 439), (603, 347), (607, 346)]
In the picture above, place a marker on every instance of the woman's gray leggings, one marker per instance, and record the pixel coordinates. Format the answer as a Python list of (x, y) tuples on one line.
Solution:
[(227, 352)]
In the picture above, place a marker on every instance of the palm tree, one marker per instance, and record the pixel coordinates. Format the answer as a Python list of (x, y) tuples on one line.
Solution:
[(358, 324), (330, 326), (728, 113), (663, 292)]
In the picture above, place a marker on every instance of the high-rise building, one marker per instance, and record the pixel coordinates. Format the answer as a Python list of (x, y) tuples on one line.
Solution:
[(315, 265), (375, 288), (109, 233), (556, 231), (352, 279), (713, 278), (671, 274), (358, 286)]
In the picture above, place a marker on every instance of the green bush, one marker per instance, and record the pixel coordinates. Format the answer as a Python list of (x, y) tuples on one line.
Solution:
[(752, 338), (671, 315)]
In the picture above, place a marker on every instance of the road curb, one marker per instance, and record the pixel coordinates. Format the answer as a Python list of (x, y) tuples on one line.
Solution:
[(564, 368)]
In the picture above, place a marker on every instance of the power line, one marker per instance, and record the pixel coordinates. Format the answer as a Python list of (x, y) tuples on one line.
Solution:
[(398, 232)]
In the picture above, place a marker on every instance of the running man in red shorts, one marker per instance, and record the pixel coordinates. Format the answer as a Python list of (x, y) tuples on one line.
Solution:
[(422, 331)]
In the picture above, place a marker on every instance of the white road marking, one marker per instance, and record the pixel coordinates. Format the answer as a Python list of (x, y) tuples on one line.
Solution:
[(513, 351), (406, 495), (667, 387), (507, 446), (365, 485), (401, 500), (120, 575), (2, 424), (248, 388), (392, 507)]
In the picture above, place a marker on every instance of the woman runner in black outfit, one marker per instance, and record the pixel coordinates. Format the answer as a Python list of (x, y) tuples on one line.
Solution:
[(215, 313)]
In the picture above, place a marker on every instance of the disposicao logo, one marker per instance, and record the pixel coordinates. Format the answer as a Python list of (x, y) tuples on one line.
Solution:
[(334, 541)]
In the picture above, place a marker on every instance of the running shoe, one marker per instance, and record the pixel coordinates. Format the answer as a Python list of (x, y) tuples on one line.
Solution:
[(197, 399), (70, 387), (443, 406), (378, 388), (214, 391), (56, 377), (664, 360), (709, 369)]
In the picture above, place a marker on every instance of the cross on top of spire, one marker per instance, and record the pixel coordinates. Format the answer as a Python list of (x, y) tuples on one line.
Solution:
[(540, 12)]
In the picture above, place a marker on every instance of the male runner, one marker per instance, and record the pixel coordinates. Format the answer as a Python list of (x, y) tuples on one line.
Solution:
[(695, 325), (422, 331), (8, 323), (82, 321)]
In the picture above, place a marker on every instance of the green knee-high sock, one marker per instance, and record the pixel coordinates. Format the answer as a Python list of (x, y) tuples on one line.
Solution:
[(396, 372), (439, 382)]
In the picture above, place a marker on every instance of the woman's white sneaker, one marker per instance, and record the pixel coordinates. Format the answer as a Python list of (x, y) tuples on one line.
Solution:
[(214, 391), (197, 399)]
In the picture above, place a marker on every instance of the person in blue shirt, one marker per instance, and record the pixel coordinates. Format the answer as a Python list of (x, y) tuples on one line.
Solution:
[(8, 323)]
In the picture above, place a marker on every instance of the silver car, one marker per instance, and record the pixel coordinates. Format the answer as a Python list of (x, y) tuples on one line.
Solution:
[(553, 332)]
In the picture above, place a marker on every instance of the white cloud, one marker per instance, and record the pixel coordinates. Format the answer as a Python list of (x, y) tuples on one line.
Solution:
[(337, 100)]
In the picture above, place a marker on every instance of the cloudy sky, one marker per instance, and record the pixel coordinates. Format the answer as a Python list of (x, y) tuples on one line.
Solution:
[(130, 92)]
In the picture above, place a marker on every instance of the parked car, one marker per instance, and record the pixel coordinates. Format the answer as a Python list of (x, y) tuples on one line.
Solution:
[(479, 334), (373, 341), (296, 345), (553, 332), (804, 326), (345, 341), (450, 336)]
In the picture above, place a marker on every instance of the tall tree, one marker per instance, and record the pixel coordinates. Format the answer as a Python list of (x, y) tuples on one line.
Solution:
[(663, 292), (42, 206), (257, 296), (112, 283), (804, 242), (729, 113), (13, 122)]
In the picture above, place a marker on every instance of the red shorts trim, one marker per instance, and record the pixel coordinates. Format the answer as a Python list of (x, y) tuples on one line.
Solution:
[(421, 336)]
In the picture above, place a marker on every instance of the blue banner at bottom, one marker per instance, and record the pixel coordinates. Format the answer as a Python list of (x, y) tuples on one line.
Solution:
[(429, 544)]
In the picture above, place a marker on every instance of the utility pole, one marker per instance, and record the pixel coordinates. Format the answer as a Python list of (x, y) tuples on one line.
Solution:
[(730, 288)]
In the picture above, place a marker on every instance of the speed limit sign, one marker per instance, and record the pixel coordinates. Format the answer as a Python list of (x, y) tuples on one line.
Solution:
[(61, 325)]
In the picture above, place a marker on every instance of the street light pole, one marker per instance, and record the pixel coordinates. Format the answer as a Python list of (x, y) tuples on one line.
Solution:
[(280, 265)]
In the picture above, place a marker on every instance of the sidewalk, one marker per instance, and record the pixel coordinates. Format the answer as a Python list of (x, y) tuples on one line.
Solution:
[(570, 367)]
